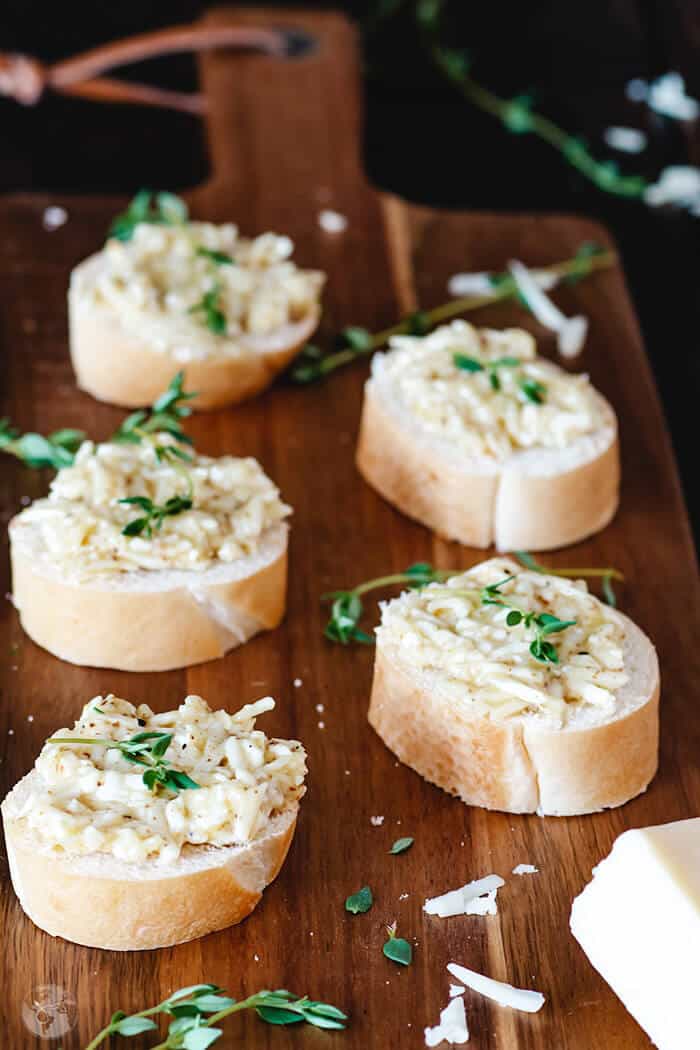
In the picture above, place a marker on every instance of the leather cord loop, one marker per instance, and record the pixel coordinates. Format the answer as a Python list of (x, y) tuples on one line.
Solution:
[(26, 79)]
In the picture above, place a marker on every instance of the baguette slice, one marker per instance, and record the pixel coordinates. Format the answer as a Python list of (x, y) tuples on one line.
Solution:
[(538, 499), (147, 620), (120, 367), (522, 764), (102, 902)]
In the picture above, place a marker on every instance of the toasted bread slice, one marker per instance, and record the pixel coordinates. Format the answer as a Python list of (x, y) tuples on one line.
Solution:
[(598, 757), (122, 367), (147, 620), (102, 902), (535, 499)]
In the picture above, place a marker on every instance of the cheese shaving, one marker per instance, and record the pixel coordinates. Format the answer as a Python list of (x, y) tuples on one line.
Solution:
[(452, 1028), (525, 869), (476, 898), (505, 994)]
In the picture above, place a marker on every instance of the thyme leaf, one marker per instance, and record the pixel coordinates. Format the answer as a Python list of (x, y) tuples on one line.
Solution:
[(360, 902), (401, 845), (219, 258), (163, 209), (209, 308), (165, 416), (396, 948)]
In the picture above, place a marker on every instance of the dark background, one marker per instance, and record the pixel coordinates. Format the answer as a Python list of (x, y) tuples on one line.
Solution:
[(421, 139)]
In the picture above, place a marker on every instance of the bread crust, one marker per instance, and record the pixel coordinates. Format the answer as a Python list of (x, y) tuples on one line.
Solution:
[(100, 902), (117, 366), (520, 505), (190, 618), (519, 764)]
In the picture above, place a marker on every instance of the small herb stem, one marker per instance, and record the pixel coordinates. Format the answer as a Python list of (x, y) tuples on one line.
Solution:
[(110, 1029), (399, 577)]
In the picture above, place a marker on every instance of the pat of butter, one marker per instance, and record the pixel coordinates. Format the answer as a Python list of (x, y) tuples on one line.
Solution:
[(638, 922)]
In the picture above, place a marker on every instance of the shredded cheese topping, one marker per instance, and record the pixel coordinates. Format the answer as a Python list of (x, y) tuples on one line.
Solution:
[(157, 279), (89, 799), (81, 521), (482, 661), (480, 416)]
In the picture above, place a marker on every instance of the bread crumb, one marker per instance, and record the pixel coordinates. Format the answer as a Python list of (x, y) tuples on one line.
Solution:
[(297, 683), (256, 957), (403, 897), (54, 217), (30, 718), (320, 708), (10, 732), (321, 725), (376, 821), (332, 221), (347, 772)]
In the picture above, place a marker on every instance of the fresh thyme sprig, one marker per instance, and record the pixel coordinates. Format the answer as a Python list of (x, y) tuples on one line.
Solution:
[(517, 114), (154, 514), (142, 749), (347, 607), (55, 451), (209, 307), (163, 209), (164, 416), (355, 342), (195, 1010), (543, 624)]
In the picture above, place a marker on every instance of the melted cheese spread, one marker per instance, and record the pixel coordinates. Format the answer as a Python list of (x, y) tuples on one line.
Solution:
[(80, 523), (89, 799), (484, 662), (480, 415), (156, 281)]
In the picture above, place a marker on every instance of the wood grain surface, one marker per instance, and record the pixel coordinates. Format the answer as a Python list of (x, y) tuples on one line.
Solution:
[(284, 138)]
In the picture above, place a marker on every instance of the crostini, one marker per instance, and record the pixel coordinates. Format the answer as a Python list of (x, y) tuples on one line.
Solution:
[(517, 691), (471, 433), (231, 312), (145, 557), (139, 830)]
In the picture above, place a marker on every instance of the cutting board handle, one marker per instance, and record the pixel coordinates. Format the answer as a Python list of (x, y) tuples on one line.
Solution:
[(26, 79)]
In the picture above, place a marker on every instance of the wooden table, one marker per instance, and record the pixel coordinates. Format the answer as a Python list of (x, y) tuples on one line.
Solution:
[(284, 144)]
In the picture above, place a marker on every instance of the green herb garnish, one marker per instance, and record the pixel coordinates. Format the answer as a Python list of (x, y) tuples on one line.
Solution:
[(195, 1011), (396, 948), (401, 845), (220, 258), (210, 309), (55, 451), (356, 342), (543, 623), (517, 114), (605, 575), (471, 364), (347, 607), (533, 390), (360, 902), (142, 749), (154, 515), (164, 416), (163, 209)]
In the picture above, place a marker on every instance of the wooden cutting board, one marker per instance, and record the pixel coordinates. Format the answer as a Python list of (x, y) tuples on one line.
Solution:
[(284, 140)]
